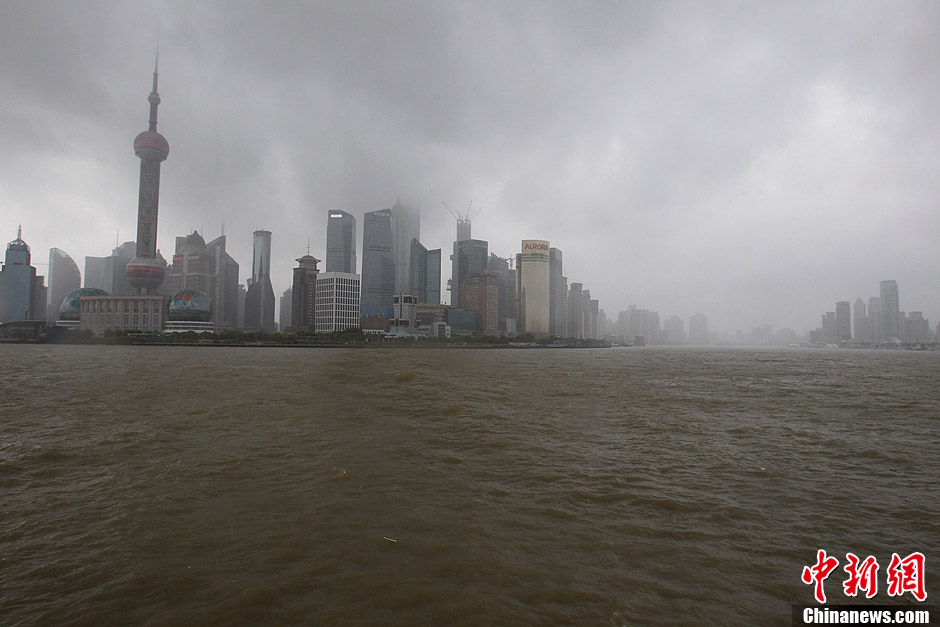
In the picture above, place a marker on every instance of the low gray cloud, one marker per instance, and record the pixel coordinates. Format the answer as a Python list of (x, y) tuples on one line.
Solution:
[(756, 162)]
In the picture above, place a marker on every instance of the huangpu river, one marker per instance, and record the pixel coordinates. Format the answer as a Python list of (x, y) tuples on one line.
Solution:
[(634, 486)]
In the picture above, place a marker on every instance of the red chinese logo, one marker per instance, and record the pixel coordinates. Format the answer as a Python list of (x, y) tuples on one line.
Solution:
[(818, 573), (907, 575), (862, 576), (904, 575)]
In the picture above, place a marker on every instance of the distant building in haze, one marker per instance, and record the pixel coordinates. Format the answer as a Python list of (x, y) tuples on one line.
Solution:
[(830, 332), (915, 329), (110, 273), (874, 319), (862, 329), (558, 295), (674, 330), (843, 321), (575, 319), (340, 242), (591, 311), (304, 294), (64, 278), (639, 326), (285, 309), (890, 312), (406, 227), (259, 301), (698, 329), (533, 287)]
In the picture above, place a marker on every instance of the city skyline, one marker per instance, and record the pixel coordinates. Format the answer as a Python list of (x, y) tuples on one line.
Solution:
[(747, 196)]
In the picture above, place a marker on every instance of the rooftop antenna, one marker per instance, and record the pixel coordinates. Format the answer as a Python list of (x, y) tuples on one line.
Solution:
[(308, 245), (19, 231), (223, 228)]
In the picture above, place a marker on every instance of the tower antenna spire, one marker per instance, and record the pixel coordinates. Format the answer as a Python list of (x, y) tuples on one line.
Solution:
[(154, 98)]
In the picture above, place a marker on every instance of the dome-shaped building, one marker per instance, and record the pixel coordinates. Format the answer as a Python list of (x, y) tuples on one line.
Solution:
[(70, 308), (189, 310)]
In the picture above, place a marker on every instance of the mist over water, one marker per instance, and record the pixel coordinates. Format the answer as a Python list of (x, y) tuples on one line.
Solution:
[(163, 485)]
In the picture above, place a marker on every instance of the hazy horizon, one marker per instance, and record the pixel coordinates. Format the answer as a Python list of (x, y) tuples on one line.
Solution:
[(755, 162)]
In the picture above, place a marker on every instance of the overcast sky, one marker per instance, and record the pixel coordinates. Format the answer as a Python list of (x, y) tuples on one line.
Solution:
[(755, 161)]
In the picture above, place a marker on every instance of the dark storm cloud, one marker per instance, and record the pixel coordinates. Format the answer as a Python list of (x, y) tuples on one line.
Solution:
[(753, 161)]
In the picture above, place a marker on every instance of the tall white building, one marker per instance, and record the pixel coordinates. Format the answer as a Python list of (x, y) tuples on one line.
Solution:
[(533, 287), (337, 302), (64, 278)]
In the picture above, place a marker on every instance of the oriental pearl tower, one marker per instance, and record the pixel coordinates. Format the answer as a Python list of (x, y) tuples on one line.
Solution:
[(145, 272)]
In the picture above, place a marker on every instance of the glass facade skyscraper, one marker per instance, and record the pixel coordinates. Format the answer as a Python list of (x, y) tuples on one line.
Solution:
[(340, 242), (378, 261), (470, 255)]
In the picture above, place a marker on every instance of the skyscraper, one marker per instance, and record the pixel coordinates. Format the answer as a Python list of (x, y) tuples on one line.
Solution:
[(479, 293), (110, 273), (259, 301), (406, 226), (419, 271), (506, 280), (64, 278), (874, 319), (340, 242), (425, 273), (225, 298), (434, 277), (843, 321), (463, 228), (145, 272), (575, 321), (22, 292), (698, 328), (285, 307), (209, 269), (674, 329), (890, 312), (558, 295), (861, 332), (378, 264), (470, 255), (304, 294), (533, 288)]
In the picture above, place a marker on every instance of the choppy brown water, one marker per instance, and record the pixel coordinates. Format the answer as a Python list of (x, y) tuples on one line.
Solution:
[(173, 486)]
